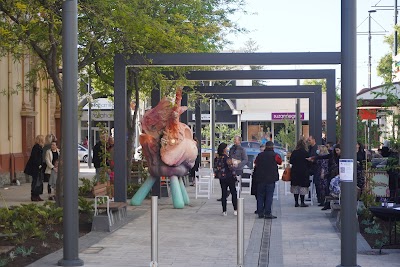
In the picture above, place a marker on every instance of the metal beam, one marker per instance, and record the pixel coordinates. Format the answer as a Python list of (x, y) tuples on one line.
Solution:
[(315, 121), (254, 89), (328, 74), (233, 59)]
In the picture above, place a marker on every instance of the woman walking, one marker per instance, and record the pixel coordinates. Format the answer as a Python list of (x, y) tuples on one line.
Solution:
[(52, 156), (224, 171), (34, 168), (300, 177), (323, 172)]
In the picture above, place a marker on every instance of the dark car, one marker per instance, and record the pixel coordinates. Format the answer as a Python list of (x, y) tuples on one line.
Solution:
[(253, 149)]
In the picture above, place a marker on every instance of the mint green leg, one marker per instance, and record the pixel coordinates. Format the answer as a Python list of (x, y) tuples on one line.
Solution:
[(141, 194), (176, 193), (184, 193)]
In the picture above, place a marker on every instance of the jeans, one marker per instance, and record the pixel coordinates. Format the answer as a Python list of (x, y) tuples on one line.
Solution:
[(265, 194), (225, 183)]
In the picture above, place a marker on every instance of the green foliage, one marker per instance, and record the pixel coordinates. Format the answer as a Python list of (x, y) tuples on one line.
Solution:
[(132, 189), (287, 135), (384, 68), (58, 236), (86, 188), (3, 262), (381, 242), (23, 251), (86, 206), (20, 223), (222, 133), (368, 197), (374, 229), (316, 82)]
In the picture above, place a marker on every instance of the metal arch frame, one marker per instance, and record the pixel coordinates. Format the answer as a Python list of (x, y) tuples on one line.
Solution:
[(312, 92), (121, 62), (328, 74)]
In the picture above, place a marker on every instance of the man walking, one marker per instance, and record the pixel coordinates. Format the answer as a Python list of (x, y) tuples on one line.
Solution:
[(266, 174), (314, 176)]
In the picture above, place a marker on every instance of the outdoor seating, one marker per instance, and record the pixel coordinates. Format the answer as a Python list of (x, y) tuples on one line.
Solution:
[(115, 212), (246, 178), (204, 179)]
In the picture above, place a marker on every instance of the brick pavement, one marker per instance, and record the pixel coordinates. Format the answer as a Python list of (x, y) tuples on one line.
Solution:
[(199, 236)]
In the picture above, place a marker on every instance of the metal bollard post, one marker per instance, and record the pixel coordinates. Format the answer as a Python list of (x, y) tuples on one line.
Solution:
[(240, 233), (154, 231)]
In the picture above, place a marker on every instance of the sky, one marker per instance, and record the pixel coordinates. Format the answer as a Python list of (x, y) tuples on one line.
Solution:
[(314, 26)]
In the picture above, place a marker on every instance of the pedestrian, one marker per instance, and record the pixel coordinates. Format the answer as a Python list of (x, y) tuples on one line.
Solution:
[(322, 171), (300, 176), (266, 174), (195, 168), (47, 145), (360, 168), (314, 175), (52, 155), (34, 168), (53, 179), (99, 158), (225, 172), (253, 190), (239, 157)]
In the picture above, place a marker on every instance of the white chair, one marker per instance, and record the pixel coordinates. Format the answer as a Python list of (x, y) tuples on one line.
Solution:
[(312, 190), (276, 192), (247, 180), (203, 178)]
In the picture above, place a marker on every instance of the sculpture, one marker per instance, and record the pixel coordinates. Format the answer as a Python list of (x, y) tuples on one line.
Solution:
[(168, 147)]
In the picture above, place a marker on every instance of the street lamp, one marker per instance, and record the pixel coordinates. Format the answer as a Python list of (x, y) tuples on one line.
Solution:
[(369, 47)]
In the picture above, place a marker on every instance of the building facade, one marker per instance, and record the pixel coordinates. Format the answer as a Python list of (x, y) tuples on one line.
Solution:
[(25, 112)]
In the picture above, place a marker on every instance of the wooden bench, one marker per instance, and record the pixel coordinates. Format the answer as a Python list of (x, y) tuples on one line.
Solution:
[(115, 211)]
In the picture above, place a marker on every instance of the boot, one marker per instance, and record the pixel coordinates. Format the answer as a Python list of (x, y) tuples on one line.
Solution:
[(302, 202), (327, 206), (296, 200)]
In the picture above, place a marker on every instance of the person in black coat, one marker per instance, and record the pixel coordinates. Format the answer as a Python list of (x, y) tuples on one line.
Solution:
[(300, 175), (99, 157), (265, 175), (225, 172), (34, 168)]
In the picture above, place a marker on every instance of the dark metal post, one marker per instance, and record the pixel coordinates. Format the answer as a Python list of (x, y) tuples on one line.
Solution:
[(69, 133), (349, 122), (184, 102), (90, 137), (212, 131), (155, 98), (198, 127), (298, 119), (120, 129), (331, 108), (318, 117), (311, 116)]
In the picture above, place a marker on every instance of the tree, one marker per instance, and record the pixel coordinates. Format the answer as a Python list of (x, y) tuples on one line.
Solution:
[(287, 135), (107, 27), (316, 82), (222, 133), (385, 64)]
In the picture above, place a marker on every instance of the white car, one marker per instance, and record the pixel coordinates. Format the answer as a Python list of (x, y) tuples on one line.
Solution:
[(83, 153)]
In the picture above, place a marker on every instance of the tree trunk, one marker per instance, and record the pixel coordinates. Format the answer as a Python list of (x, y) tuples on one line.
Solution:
[(132, 87)]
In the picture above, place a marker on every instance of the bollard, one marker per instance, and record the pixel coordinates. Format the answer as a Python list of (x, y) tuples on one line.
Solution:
[(240, 232), (154, 231)]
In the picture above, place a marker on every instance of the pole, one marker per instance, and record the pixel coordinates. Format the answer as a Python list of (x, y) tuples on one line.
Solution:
[(90, 125), (395, 31), (69, 133), (298, 117), (369, 50), (349, 122), (212, 132), (240, 232), (154, 231)]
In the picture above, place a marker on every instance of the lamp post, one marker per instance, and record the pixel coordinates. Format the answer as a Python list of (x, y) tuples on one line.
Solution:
[(369, 47)]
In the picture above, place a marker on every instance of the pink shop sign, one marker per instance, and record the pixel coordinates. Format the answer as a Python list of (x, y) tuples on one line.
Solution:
[(286, 116)]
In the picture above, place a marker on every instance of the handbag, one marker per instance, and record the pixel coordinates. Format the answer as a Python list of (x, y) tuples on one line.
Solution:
[(286, 174)]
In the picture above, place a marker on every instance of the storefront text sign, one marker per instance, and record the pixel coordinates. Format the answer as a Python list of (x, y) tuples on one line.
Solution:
[(286, 116)]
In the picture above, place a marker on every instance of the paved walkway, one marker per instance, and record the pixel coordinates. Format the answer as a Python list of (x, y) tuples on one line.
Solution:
[(198, 236)]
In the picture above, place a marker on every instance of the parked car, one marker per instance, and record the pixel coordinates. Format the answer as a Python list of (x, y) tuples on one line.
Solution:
[(83, 153), (253, 149)]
